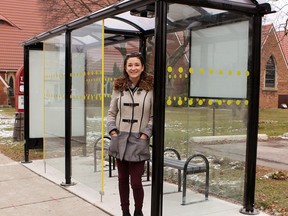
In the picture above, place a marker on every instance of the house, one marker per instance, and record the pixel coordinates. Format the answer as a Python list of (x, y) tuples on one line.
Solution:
[(19, 20), (274, 68)]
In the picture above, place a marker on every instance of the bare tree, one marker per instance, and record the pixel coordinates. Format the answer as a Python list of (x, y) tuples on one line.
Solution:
[(57, 12), (280, 17)]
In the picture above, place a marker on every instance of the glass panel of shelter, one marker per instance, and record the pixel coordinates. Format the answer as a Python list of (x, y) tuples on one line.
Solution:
[(206, 101), (86, 98), (194, 116), (54, 102)]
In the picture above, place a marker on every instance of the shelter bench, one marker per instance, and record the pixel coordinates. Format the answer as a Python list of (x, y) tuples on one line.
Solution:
[(106, 148), (188, 167), (98, 147)]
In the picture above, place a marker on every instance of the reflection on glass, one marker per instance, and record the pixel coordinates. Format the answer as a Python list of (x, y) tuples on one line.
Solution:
[(54, 102), (202, 114)]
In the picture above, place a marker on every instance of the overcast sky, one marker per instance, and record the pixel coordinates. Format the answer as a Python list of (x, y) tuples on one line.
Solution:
[(279, 18)]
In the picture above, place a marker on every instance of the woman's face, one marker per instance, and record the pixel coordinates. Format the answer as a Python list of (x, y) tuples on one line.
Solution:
[(134, 68)]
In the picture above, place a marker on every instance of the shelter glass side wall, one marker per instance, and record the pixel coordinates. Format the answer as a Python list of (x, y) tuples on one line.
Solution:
[(210, 118), (54, 102), (86, 98)]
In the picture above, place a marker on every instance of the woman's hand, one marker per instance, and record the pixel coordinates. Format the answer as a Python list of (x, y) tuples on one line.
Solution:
[(143, 136)]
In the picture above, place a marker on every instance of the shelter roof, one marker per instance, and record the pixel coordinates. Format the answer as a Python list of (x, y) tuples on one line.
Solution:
[(19, 20), (131, 18)]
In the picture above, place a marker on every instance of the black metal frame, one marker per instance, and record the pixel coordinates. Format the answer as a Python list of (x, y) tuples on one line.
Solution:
[(256, 12), (253, 117), (68, 108), (29, 143)]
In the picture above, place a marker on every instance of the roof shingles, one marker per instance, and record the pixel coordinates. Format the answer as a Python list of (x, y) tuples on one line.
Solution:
[(24, 19)]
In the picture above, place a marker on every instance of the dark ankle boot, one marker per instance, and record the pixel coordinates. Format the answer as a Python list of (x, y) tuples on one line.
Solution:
[(138, 213), (126, 213)]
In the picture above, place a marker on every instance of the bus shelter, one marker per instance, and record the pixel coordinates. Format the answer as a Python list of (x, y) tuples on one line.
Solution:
[(205, 57)]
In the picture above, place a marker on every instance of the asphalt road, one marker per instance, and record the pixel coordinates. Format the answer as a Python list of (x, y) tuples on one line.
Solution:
[(271, 153)]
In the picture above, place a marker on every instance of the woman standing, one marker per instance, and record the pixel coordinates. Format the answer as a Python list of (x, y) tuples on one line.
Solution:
[(130, 126)]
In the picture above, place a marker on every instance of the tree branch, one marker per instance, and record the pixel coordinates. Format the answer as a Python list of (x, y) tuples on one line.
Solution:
[(70, 8)]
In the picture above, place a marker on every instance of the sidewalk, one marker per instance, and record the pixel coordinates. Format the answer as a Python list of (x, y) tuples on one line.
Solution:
[(24, 193)]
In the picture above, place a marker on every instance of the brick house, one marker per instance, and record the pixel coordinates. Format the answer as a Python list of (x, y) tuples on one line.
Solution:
[(274, 68), (19, 20)]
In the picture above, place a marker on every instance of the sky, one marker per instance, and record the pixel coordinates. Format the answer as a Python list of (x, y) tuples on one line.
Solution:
[(279, 18)]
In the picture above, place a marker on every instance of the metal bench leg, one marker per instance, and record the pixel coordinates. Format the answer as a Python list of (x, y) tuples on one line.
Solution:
[(207, 185), (184, 188), (148, 170), (95, 160), (113, 163), (179, 181), (110, 168)]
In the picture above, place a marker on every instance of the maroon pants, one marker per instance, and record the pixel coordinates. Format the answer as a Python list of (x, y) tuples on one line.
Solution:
[(135, 170)]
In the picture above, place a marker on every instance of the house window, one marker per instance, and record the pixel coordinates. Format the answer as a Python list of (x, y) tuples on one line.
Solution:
[(270, 76)]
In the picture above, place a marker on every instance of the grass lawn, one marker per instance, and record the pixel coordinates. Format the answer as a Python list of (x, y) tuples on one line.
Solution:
[(271, 192)]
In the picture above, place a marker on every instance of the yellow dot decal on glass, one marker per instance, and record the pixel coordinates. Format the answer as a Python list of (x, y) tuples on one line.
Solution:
[(70, 74), (230, 72), (186, 76), (220, 72), (211, 71), (170, 76), (175, 76), (70, 96), (200, 102), (219, 102), (96, 73), (201, 71), (180, 102), (88, 73), (246, 102), (210, 102), (169, 69), (247, 73), (180, 69), (174, 98), (190, 102), (238, 102), (180, 75), (185, 98), (238, 72), (191, 70), (229, 102)]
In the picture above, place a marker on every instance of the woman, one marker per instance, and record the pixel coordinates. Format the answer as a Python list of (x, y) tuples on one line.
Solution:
[(130, 126)]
